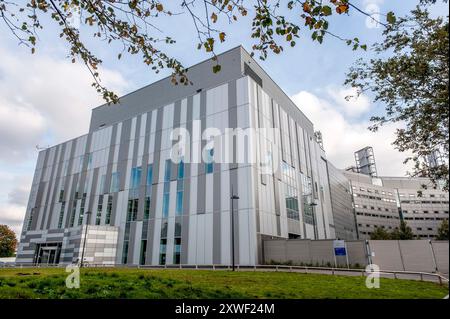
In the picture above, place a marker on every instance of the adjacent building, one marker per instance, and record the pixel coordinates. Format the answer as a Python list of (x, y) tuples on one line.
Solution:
[(117, 196), (385, 201)]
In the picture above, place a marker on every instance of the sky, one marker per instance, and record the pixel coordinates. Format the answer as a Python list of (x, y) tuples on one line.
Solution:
[(46, 100)]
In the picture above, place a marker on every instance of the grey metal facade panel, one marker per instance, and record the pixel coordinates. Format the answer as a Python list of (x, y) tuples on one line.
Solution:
[(278, 94), (341, 202), (164, 92), (50, 186)]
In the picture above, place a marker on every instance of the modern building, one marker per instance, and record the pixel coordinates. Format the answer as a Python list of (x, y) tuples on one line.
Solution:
[(117, 195), (385, 201)]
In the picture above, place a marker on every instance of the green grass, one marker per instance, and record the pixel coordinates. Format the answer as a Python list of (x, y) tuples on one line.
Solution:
[(140, 283)]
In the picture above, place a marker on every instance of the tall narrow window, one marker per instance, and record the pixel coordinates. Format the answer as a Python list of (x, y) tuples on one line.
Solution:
[(136, 177), (30, 219), (61, 195), (108, 210), (114, 182), (162, 251), (179, 206), (61, 214), (178, 212), (177, 251), (149, 174), (148, 191), (210, 162), (180, 174), (82, 207), (163, 244), (147, 208), (102, 184), (165, 208), (167, 170), (143, 252), (89, 160), (74, 212), (99, 210), (125, 252), (165, 212), (177, 244)]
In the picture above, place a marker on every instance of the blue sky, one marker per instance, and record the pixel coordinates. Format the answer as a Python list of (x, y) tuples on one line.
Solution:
[(44, 99)]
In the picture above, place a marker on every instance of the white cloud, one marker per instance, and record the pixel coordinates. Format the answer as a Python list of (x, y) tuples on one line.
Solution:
[(347, 101), (367, 2), (21, 128), (14, 191), (45, 100), (342, 137), (12, 215)]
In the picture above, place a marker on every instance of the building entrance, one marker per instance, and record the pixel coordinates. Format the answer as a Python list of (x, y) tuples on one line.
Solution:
[(48, 253)]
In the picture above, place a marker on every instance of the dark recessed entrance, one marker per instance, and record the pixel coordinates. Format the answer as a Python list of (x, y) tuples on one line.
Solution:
[(47, 253)]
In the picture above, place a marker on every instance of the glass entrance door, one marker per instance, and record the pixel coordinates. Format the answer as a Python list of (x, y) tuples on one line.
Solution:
[(48, 253)]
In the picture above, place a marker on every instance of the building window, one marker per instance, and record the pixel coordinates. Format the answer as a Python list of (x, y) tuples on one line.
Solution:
[(132, 209), (148, 191), (102, 184), (147, 207), (180, 174), (167, 170), (114, 182), (74, 212), (30, 219), (61, 214), (136, 177), (177, 244), (108, 210), (143, 252), (165, 207), (81, 216), (99, 210), (163, 243), (165, 212), (61, 195), (149, 174), (125, 252), (177, 251), (210, 162), (179, 206), (162, 251)]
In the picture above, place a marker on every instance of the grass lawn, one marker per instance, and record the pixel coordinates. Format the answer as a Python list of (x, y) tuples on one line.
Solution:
[(140, 283)]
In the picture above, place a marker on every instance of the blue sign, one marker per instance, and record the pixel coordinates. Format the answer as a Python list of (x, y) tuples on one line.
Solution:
[(339, 248)]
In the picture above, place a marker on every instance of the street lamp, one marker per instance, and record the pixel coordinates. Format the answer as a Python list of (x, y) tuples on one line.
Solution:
[(313, 203), (233, 197), (85, 238)]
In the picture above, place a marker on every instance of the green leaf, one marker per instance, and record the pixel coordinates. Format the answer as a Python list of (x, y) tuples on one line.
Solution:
[(326, 10), (391, 17), (216, 68)]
